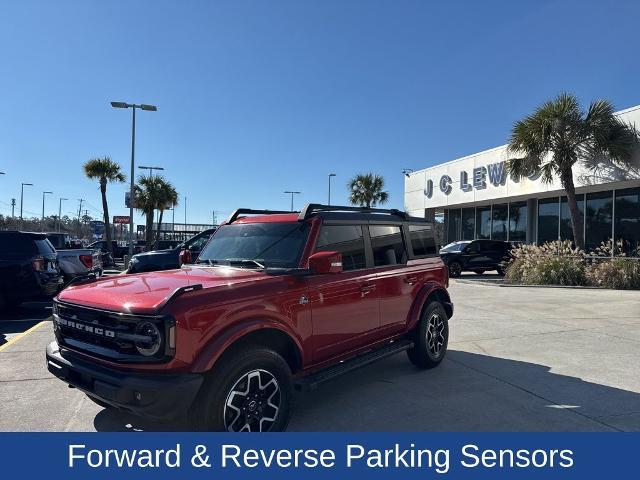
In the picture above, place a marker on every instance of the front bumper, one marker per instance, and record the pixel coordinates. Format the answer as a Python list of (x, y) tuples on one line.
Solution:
[(151, 395)]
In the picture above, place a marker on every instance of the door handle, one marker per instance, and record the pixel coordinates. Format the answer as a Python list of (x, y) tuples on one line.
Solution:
[(367, 288), (410, 280)]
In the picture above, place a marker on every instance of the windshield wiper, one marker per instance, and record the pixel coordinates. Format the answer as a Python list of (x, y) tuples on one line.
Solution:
[(207, 261), (246, 260)]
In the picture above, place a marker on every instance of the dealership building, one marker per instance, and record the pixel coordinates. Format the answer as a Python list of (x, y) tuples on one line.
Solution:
[(477, 199)]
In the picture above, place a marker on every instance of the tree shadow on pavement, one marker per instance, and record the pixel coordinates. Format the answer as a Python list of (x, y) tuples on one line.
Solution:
[(467, 392)]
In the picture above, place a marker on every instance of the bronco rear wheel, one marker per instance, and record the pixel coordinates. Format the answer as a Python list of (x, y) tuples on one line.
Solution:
[(431, 337), (248, 391)]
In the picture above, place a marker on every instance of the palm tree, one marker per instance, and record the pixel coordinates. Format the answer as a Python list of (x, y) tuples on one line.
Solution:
[(153, 193), (105, 170), (168, 198), (367, 190), (559, 134)]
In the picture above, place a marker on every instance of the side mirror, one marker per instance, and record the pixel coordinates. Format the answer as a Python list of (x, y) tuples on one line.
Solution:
[(325, 262), (184, 257)]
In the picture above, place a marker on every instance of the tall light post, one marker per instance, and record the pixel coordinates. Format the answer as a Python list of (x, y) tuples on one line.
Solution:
[(292, 194), (329, 198), (133, 106), (22, 198), (60, 211), (42, 221)]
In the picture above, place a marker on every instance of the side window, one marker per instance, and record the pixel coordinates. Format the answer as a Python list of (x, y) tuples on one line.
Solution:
[(346, 239), (475, 247), (387, 245), (422, 240), (198, 243)]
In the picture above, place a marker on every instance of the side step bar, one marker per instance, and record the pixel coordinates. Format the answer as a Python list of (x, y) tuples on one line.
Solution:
[(311, 381)]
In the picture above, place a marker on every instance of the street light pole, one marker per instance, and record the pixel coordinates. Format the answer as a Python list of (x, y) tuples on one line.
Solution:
[(42, 221), (60, 211), (292, 194), (329, 198), (133, 106), (22, 198)]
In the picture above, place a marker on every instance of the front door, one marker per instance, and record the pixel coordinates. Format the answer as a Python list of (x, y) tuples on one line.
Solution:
[(345, 306)]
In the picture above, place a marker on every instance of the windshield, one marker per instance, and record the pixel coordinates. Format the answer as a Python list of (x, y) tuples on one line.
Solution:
[(253, 245), (455, 246)]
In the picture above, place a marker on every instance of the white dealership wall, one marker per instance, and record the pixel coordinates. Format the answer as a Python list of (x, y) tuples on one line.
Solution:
[(416, 185)]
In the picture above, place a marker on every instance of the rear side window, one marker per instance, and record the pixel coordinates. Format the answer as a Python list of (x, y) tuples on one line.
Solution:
[(15, 245), (45, 247), (422, 240), (387, 245), (346, 239)]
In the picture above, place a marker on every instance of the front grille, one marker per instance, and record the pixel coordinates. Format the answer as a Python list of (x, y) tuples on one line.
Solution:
[(108, 335)]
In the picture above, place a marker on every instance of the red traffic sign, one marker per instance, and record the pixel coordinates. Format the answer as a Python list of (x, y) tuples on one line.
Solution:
[(121, 219)]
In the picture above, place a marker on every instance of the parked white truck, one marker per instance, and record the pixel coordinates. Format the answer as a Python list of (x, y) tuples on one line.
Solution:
[(75, 261)]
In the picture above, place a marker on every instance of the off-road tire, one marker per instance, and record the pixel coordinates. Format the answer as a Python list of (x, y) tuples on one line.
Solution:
[(433, 327), (211, 412)]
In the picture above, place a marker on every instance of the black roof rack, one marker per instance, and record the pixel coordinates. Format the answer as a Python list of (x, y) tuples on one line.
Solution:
[(245, 211), (312, 208)]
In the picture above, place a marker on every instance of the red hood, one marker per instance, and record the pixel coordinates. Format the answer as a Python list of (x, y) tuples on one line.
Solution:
[(145, 292)]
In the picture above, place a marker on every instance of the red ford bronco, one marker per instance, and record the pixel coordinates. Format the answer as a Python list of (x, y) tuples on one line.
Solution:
[(275, 301)]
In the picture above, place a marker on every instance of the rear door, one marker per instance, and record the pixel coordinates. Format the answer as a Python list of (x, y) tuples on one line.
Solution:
[(395, 280), (345, 306)]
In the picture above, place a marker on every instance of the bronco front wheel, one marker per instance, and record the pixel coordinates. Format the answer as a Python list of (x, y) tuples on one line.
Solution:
[(248, 391)]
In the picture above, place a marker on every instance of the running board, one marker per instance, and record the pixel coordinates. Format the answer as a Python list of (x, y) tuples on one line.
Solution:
[(311, 381)]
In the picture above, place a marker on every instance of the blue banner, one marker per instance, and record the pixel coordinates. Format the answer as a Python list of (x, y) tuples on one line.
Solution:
[(318, 455)]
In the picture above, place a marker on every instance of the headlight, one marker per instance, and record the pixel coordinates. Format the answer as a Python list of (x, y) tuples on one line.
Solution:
[(150, 345)]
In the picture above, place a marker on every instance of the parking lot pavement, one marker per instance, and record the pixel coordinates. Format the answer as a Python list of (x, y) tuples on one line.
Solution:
[(530, 359)]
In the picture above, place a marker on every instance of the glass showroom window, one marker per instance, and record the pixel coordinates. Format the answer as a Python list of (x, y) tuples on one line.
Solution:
[(483, 222), (566, 232), (598, 219), (627, 221), (547, 220), (499, 224), (453, 227), (468, 223), (518, 222)]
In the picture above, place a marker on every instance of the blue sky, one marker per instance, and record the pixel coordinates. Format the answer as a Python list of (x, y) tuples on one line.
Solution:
[(257, 97)]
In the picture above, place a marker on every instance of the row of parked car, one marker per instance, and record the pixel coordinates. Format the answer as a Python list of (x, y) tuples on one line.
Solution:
[(38, 265)]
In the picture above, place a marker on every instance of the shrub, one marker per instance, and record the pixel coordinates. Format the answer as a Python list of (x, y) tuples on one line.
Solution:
[(619, 273), (554, 263)]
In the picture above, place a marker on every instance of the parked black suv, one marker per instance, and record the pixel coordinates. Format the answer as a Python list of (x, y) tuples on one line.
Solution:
[(168, 259), (476, 256), (28, 268)]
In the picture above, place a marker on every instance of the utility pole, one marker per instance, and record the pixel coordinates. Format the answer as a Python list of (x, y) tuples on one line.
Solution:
[(79, 215), (13, 208), (185, 212)]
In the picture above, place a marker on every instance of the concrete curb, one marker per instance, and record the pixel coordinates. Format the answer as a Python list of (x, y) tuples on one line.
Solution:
[(494, 283)]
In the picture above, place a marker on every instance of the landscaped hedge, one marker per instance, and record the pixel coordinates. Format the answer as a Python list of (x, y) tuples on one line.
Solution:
[(558, 263)]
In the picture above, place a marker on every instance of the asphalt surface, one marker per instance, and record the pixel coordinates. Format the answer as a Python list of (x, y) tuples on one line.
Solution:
[(520, 359)]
